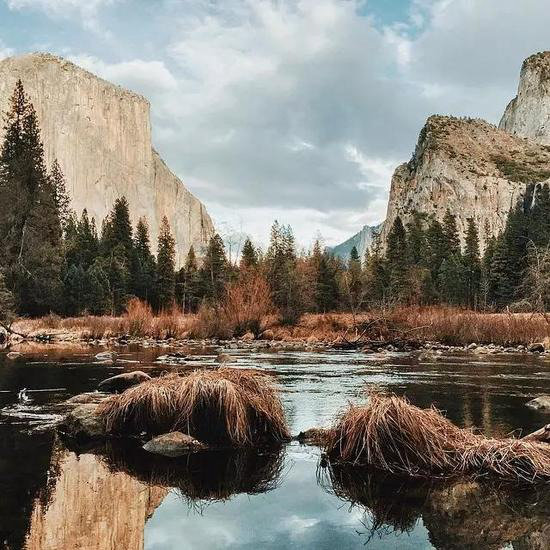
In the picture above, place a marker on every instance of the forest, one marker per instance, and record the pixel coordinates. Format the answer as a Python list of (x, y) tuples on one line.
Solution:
[(53, 261)]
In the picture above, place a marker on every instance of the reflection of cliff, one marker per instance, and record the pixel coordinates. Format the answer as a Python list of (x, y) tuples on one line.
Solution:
[(89, 507), (459, 515)]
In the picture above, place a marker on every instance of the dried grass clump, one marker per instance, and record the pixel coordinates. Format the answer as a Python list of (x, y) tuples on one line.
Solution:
[(223, 407), (392, 435), (138, 319)]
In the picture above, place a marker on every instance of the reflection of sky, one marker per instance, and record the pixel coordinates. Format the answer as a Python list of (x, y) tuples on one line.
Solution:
[(298, 514)]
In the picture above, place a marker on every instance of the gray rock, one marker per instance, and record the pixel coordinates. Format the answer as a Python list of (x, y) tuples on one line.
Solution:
[(176, 357), (122, 382), (541, 403), (83, 422), (85, 398), (473, 345), (13, 355), (223, 358), (536, 347), (106, 356), (174, 444)]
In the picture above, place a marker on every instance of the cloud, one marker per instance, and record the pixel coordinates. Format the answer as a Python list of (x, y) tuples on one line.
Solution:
[(5, 51), (85, 10), (146, 77), (301, 109)]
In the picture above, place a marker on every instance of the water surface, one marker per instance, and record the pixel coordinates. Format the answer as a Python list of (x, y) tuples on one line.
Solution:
[(54, 497)]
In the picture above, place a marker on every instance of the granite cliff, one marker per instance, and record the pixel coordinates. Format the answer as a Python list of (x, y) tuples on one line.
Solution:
[(475, 169), (101, 136), (362, 241)]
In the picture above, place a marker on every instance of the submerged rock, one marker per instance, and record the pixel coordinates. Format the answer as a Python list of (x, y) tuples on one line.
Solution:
[(13, 355), (86, 398), (541, 403), (174, 444), (176, 357), (84, 422), (106, 356), (314, 436), (122, 382)]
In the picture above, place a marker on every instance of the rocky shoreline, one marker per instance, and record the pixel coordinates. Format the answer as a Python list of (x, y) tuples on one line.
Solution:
[(249, 342)]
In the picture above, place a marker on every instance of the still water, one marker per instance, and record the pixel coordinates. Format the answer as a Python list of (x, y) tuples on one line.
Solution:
[(116, 497)]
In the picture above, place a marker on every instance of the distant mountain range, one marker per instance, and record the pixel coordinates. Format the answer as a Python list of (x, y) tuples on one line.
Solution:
[(362, 241)]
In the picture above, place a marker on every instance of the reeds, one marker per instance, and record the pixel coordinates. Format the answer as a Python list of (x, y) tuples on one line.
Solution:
[(224, 407), (390, 434)]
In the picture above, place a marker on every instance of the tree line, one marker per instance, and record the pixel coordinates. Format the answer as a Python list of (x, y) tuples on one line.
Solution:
[(52, 261)]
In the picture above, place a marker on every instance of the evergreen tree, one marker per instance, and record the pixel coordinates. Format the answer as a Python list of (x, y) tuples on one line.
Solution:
[(98, 295), (62, 201), (117, 230), (376, 276), (327, 295), (436, 252), (397, 260), (282, 273), (7, 304), (249, 256), (450, 231), (81, 241), (76, 290), (353, 283), (472, 264), (143, 271), (166, 277), (416, 239), (30, 226), (214, 272), (188, 292)]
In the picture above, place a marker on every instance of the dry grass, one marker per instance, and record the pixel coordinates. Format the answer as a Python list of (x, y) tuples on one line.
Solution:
[(223, 407), (240, 313), (390, 434)]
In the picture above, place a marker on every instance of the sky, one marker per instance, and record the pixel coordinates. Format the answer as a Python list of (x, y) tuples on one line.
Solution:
[(296, 110)]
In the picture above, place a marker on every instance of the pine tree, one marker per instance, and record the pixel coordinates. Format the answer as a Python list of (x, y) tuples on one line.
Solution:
[(327, 295), (30, 225), (472, 264), (7, 304), (143, 270), (62, 200), (376, 276), (214, 272), (98, 295), (166, 277), (282, 273), (416, 239), (249, 256), (397, 260), (188, 291), (450, 231), (117, 229), (81, 241)]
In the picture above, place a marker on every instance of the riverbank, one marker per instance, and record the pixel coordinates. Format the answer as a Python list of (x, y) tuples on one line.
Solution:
[(402, 329)]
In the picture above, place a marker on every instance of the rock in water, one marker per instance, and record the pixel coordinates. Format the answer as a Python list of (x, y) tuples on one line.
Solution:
[(174, 444), (122, 382), (101, 136), (83, 422), (105, 356), (541, 403)]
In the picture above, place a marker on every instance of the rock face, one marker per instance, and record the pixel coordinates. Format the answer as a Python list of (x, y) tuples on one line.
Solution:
[(362, 241), (101, 136), (471, 168), (528, 114)]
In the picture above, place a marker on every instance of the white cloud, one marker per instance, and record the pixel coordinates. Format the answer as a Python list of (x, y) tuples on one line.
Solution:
[(145, 77), (86, 10), (302, 108)]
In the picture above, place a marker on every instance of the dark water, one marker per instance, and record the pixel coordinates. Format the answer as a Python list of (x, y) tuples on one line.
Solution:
[(119, 498)]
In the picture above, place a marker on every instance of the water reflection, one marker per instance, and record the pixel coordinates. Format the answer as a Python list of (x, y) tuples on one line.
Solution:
[(199, 477), (458, 515), (86, 505), (102, 499)]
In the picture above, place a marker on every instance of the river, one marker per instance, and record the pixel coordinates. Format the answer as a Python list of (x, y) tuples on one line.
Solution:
[(58, 498)]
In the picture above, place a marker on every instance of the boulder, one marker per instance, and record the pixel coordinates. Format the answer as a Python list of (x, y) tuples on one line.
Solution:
[(541, 403), (13, 355), (83, 422), (122, 382), (314, 436), (174, 444), (176, 357), (248, 337), (88, 397), (223, 358), (106, 356), (537, 347)]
